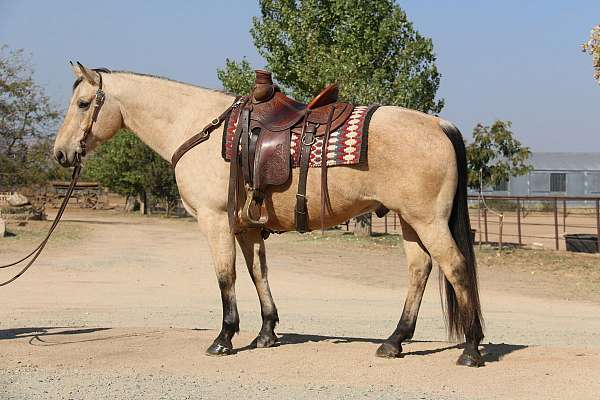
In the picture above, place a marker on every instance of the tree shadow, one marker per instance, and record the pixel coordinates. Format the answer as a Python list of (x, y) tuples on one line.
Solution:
[(99, 222), (491, 352)]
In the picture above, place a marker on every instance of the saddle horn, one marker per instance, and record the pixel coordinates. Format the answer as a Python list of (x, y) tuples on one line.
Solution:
[(264, 88)]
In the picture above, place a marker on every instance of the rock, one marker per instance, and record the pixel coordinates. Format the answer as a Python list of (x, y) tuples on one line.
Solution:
[(2, 228), (17, 200)]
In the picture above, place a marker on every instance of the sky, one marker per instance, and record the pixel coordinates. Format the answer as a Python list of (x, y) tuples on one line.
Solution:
[(511, 60)]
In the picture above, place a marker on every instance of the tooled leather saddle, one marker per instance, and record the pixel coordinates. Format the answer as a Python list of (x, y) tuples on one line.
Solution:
[(261, 148)]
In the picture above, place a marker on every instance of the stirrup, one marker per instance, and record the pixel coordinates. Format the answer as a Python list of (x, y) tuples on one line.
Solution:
[(247, 214)]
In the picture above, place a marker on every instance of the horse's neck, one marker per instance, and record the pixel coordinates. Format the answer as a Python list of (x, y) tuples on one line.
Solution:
[(162, 113)]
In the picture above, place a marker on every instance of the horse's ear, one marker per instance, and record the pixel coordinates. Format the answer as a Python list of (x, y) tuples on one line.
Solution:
[(87, 74), (75, 69)]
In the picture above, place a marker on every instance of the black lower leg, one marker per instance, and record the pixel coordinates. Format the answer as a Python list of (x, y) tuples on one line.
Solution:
[(471, 357), (222, 345), (392, 347), (266, 337)]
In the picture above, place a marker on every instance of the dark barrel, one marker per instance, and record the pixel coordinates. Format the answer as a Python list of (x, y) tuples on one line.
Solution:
[(582, 243)]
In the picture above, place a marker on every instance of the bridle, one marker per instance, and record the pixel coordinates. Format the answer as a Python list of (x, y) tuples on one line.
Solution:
[(98, 102)]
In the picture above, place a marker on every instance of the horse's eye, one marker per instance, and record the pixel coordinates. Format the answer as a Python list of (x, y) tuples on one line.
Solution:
[(83, 104)]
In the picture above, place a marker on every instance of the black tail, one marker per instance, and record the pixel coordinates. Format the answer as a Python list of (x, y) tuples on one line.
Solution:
[(468, 322)]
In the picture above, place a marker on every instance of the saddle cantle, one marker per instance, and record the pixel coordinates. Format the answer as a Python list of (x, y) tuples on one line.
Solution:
[(261, 148)]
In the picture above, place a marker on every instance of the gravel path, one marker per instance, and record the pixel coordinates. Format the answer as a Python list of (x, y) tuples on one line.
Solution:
[(126, 310)]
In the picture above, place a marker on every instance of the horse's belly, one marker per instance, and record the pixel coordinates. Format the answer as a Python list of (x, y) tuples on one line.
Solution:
[(346, 191)]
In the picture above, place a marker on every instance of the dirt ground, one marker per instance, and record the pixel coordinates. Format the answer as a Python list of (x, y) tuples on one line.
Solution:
[(124, 306)]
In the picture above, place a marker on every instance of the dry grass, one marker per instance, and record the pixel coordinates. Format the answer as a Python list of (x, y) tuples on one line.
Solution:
[(572, 275), (34, 231), (560, 273)]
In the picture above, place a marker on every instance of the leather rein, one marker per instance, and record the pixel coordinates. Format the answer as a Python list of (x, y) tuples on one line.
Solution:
[(33, 255)]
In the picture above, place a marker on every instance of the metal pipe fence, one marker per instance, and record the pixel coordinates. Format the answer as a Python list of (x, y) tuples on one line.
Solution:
[(539, 221), (534, 221)]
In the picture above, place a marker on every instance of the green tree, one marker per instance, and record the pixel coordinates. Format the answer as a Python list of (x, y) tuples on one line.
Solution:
[(592, 46), (495, 155), (27, 122), (237, 78), (127, 166), (369, 47)]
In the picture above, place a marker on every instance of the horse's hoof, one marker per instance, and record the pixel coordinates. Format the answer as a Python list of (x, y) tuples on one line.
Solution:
[(218, 350), (264, 341), (470, 360), (389, 350)]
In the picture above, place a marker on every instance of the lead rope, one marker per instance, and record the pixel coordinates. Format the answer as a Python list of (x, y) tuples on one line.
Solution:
[(38, 250)]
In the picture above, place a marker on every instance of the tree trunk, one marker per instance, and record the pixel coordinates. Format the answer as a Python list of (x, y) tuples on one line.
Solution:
[(363, 225), (132, 204), (143, 203)]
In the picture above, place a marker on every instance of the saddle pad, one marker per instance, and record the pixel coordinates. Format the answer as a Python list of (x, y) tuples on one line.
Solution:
[(347, 144)]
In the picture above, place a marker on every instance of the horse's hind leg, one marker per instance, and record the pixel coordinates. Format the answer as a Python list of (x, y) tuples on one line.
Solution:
[(222, 247), (463, 307), (419, 267), (253, 248)]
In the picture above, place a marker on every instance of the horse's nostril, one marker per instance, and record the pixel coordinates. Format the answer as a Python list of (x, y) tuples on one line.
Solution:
[(60, 157)]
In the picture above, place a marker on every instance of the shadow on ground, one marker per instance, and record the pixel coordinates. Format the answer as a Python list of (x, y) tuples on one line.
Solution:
[(39, 336), (55, 336), (19, 333), (491, 352)]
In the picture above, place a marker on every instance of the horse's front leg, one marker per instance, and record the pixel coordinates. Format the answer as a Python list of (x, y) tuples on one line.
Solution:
[(253, 248), (222, 246)]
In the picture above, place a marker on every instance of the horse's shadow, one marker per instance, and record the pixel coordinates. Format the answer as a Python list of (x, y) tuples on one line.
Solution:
[(492, 352)]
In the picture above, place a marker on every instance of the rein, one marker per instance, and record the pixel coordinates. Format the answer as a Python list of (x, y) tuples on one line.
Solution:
[(99, 101), (38, 250)]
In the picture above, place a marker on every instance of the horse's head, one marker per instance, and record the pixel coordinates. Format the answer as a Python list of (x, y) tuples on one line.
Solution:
[(93, 117)]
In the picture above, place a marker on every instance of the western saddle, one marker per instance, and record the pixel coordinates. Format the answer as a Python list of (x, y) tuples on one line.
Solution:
[(261, 148)]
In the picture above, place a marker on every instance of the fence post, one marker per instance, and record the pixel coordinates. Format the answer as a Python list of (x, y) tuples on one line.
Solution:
[(519, 221), (485, 226), (500, 226), (479, 222), (385, 223), (556, 222), (598, 222), (564, 216), (394, 221)]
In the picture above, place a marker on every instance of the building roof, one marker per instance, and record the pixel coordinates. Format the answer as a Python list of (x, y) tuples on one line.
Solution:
[(565, 161)]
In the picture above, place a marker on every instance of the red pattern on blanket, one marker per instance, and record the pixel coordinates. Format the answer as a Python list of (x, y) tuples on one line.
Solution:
[(347, 145)]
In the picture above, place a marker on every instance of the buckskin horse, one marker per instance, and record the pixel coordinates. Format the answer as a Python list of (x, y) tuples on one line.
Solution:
[(416, 168)]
